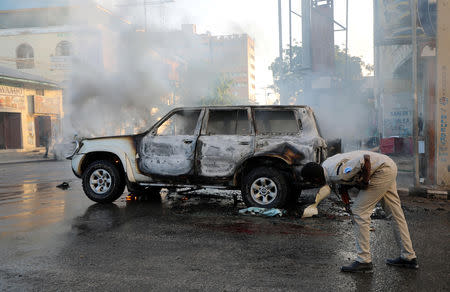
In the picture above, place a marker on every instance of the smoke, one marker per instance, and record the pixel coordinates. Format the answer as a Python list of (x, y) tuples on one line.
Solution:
[(120, 78), (103, 102)]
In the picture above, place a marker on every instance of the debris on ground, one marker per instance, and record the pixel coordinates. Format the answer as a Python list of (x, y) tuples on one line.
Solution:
[(378, 213), (63, 186), (273, 212)]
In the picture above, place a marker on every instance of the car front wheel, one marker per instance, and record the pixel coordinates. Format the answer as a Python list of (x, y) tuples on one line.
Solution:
[(265, 187), (102, 182)]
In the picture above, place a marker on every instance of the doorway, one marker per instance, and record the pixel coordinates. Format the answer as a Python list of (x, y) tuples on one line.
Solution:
[(43, 129), (10, 131)]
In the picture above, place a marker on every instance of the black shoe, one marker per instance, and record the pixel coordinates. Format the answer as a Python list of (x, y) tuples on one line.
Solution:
[(399, 262), (357, 267)]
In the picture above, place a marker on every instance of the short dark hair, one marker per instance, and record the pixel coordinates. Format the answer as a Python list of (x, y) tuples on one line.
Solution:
[(313, 172)]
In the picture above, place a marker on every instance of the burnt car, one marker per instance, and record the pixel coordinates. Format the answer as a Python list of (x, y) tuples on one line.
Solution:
[(259, 150)]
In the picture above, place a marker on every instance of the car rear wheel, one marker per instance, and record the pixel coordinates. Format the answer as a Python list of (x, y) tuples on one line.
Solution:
[(102, 182), (265, 187)]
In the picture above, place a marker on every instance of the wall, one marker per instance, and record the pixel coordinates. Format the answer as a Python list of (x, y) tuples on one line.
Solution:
[(20, 103), (44, 43)]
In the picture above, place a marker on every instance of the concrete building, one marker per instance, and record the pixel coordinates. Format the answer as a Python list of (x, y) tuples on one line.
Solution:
[(45, 37), (211, 57), (234, 57), (30, 110), (413, 67)]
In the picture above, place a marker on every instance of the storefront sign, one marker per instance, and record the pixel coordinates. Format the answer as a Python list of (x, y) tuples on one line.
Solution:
[(46, 105), (11, 91), (12, 97), (397, 115)]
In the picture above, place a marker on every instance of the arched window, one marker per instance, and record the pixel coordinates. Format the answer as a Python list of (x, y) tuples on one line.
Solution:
[(64, 48), (24, 57)]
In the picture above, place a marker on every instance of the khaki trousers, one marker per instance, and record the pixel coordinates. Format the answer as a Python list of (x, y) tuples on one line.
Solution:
[(383, 185)]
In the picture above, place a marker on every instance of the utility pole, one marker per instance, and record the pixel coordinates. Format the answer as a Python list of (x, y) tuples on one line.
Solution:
[(306, 33), (346, 40), (280, 31), (290, 34), (415, 126)]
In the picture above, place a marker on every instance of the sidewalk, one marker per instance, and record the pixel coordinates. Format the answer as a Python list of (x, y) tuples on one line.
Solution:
[(14, 156)]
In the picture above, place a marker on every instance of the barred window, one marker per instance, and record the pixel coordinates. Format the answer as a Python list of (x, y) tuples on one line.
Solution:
[(24, 57)]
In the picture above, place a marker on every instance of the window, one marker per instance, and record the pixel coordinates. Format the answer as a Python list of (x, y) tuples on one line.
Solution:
[(24, 57), (40, 92), (180, 123), (64, 48), (275, 122), (228, 122)]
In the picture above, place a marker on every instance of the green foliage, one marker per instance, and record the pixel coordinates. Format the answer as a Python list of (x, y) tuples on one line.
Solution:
[(355, 65), (289, 79), (220, 93)]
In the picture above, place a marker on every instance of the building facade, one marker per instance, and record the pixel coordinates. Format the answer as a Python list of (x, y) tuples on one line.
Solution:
[(208, 58), (233, 56), (30, 110), (47, 39)]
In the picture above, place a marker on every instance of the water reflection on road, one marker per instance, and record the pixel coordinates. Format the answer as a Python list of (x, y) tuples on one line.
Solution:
[(30, 205)]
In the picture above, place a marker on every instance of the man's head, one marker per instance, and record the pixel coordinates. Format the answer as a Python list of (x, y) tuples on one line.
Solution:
[(313, 173)]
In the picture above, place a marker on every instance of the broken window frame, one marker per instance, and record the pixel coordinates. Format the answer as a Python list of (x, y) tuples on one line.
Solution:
[(154, 129), (249, 117), (233, 111), (24, 56), (296, 117)]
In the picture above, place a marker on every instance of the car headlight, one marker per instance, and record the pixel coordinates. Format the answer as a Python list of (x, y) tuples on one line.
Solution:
[(75, 150)]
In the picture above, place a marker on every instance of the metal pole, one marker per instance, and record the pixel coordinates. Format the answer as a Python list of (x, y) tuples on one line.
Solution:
[(290, 34), (280, 31), (346, 39), (415, 89), (306, 45), (306, 33), (145, 17)]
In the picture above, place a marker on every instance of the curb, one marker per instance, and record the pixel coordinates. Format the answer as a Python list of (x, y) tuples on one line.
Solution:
[(26, 161), (403, 191)]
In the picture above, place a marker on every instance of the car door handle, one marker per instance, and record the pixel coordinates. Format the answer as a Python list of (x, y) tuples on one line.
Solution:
[(187, 141), (244, 143)]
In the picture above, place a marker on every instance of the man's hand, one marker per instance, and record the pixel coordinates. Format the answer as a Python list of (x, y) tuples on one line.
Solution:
[(311, 210)]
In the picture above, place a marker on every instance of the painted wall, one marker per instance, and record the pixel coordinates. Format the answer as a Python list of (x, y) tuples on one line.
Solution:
[(14, 99)]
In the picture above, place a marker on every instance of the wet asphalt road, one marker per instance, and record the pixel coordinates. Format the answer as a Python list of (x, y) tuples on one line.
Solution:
[(53, 239)]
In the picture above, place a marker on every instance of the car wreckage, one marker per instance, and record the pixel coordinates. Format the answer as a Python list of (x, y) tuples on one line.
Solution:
[(259, 150)]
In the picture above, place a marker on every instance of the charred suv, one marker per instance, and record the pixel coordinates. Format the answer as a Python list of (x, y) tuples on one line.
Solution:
[(257, 149)]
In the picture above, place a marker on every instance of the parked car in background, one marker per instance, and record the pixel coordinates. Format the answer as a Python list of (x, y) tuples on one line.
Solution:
[(257, 149)]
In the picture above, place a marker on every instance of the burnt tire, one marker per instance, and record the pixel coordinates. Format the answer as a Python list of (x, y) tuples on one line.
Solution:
[(102, 182), (265, 187)]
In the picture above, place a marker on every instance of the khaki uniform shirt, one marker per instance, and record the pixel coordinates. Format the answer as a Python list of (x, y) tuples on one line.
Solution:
[(345, 168)]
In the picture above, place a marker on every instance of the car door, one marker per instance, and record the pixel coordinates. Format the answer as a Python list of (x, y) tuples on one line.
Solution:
[(169, 149), (279, 134), (227, 138)]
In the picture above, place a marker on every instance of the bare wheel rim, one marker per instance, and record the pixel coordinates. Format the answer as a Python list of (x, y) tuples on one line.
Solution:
[(100, 181), (263, 191)]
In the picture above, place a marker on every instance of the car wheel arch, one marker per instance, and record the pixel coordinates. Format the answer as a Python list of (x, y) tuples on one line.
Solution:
[(273, 161), (103, 155)]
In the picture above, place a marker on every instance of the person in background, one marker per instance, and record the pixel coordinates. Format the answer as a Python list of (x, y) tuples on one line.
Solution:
[(46, 138), (375, 175)]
